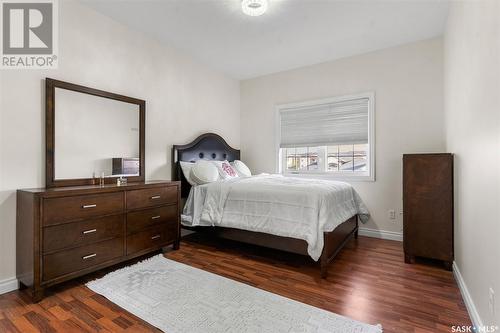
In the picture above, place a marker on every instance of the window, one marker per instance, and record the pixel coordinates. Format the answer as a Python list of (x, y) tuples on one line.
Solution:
[(332, 137)]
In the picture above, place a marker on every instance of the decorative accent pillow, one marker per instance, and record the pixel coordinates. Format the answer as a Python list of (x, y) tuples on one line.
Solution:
[(186, 170), (204, 172), (241, 168), (226, 171)]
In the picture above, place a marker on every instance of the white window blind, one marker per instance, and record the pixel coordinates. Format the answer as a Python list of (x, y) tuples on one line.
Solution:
[(342, 122)]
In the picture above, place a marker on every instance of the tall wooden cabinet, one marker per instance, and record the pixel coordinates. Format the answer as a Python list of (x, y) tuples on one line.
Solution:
[(428, 207)]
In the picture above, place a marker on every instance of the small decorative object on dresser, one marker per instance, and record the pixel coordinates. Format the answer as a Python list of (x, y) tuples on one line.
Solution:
[(125, 166), (428, 207), (67, 232)]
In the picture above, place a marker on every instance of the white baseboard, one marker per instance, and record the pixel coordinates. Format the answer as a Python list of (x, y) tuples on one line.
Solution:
[(469, 303), (8, 285), (382, 234)]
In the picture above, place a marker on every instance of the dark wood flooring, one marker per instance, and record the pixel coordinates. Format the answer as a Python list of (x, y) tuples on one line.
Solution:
[(368, 281)]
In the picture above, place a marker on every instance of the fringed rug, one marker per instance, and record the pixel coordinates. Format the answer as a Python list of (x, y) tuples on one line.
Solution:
[(178, 298)]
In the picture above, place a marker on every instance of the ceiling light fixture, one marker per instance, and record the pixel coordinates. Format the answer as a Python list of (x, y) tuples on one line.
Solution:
[(254, 7)]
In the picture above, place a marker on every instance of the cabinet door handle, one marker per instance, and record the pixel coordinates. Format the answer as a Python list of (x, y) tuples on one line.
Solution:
[(155, 237), (155, 217), (89, 256), (89, 206), (89, 231), (155, 197)]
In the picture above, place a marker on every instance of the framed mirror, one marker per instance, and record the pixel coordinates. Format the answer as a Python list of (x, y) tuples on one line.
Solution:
[(92, 133)]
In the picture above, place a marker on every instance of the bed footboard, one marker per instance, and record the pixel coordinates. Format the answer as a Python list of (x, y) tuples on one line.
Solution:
[(335, 241)]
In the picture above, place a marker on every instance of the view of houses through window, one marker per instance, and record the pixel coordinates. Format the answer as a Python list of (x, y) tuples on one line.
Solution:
[(338, 158)]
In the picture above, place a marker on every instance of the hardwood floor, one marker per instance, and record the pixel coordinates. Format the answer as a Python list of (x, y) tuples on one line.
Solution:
[(368, 281)]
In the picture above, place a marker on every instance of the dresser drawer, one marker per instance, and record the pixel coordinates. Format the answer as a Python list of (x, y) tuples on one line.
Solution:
[(72, 234), (64, 262), (139, 220), (154, 237), (56, 210), (151, 197)]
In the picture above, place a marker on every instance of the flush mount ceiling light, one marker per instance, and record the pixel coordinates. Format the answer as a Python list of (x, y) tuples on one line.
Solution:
[(254, 7)]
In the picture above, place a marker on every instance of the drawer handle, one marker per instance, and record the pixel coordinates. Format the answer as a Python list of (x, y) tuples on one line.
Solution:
[(89, 231), (89, 256), (155, 237), (155, 217), (89, 206), (155, 197)]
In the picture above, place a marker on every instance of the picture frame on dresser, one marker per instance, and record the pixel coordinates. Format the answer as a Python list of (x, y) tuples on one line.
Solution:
[(73, 227)]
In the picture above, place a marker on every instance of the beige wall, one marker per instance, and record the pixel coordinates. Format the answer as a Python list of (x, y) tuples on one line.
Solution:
[(407, 82), (472, 109), (183, 99)]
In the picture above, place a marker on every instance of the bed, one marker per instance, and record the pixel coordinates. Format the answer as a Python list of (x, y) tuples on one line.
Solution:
[(325, 246)]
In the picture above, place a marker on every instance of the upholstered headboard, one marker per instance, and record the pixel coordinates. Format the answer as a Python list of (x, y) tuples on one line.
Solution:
[(208, 146)]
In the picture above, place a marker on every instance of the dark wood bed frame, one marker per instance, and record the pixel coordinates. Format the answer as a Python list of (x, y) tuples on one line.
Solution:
[(211, 146)]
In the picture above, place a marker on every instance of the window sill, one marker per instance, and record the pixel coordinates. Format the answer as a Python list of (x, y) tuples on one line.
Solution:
[(329, 176)]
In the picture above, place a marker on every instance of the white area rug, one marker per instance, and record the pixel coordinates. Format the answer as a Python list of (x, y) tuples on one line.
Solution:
[(178, 298)]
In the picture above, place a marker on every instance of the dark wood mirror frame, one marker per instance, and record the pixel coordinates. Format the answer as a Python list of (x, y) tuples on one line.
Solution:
[(50, 86)]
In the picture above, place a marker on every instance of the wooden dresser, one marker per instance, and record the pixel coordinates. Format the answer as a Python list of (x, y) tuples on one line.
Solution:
[(428, 207), (67, 232)]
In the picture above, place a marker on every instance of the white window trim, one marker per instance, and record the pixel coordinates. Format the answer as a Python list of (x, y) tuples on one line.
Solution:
[(366, 176)]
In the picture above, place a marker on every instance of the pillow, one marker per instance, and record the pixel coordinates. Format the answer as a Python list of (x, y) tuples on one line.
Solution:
[(186, 170), (204, 172), (226, 171), (241, 168)]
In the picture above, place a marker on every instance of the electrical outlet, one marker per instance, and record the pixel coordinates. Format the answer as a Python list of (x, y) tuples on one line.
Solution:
[(491, 300), (392, 214)]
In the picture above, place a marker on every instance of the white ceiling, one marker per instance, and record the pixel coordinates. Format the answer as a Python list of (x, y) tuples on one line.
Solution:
[(292, 34)]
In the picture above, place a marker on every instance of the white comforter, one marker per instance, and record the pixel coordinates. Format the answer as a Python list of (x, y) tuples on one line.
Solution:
[(284, 206)]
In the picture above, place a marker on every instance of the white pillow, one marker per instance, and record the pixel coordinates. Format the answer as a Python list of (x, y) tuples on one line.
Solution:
[(241, 168), (204, 172), (226, 171), (186, 170)]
